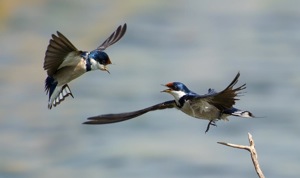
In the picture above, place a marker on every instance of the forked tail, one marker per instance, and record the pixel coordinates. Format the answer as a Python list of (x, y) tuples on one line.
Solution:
[(239, 113), (56, 93)]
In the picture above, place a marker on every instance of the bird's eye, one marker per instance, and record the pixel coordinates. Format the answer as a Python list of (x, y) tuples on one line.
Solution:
[(103, 61), (175, 87)]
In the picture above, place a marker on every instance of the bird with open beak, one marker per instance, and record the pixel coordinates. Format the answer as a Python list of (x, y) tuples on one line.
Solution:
[(64, 63), (212, 106)]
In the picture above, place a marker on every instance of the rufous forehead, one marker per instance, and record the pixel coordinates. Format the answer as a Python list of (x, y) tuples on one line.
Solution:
[(108, 61), (169, 84)]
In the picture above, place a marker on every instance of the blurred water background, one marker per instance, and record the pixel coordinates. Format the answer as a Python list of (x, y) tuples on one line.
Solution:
[(200, 43)]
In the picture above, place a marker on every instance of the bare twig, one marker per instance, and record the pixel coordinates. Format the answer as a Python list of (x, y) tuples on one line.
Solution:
[(253, 152)]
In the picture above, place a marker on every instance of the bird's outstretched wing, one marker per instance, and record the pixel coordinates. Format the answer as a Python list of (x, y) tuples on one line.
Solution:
[(225, 99), (113, 38), (112, 118), (58, 49)]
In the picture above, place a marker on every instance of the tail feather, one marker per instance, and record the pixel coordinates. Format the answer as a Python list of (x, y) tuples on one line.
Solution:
[(50, 85), (245, 114), (56, 94), (64, 92), (239, 113)]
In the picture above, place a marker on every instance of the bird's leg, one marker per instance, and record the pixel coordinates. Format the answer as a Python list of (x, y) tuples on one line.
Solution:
[(211, 122)]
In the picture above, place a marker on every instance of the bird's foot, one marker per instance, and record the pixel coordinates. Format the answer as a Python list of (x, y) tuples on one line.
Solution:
[(211, 122)]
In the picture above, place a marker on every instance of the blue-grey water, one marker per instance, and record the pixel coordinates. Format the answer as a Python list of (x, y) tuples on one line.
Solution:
[(201, 43)]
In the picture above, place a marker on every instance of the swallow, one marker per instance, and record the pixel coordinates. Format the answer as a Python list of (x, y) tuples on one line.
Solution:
[(212, 106), (64, 63)]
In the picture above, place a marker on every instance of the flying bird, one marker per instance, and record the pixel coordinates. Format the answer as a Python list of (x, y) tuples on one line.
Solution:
[(212, 106), (64, 63)]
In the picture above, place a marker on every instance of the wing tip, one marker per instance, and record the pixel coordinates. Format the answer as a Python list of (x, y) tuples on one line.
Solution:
[(93, 122)]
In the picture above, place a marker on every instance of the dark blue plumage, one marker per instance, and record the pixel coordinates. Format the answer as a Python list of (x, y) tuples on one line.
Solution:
[(99, 56), (64, 63), (178, 86), (212, 106), (50, 85)]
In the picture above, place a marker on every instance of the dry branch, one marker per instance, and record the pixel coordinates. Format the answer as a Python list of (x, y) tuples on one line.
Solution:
[(252, 151)]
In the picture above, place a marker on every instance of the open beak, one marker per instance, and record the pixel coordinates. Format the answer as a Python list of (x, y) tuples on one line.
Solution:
[(168, 90)]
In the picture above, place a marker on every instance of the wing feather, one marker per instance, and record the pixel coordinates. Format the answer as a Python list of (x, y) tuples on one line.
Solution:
[(113, 38), (112, 118), (225, 99), (58, 49)]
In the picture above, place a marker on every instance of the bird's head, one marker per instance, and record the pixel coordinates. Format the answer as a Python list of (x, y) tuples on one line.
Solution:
[(176, 89), (99, 60)]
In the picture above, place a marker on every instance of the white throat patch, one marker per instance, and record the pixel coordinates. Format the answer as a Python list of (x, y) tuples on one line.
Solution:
[(96, 65), (177, 95)]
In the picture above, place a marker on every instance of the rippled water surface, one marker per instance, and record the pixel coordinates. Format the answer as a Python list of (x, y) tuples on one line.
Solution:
[(200, 43)]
